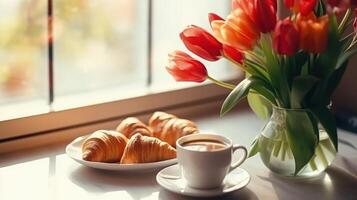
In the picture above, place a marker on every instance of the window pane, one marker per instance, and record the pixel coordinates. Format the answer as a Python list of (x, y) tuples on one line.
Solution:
[(178, 14), (99, 45), (23, 53)]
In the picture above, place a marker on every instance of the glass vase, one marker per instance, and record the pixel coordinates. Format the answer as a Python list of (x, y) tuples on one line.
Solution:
[(277, 155)]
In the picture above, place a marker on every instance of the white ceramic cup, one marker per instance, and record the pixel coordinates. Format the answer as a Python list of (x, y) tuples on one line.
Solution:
[(207, 169)]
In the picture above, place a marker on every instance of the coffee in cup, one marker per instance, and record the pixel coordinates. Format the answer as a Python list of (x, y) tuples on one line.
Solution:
[(205, 159)]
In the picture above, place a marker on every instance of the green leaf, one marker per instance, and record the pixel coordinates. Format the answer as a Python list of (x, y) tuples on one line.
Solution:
[(345, 57), (301, 137), (255, 69), (264, 89), (300, 88), (321, 9), (254, 147), (260, 105), (327, 61), (276, 72), (327, 120), (334, 81), (236, 95)]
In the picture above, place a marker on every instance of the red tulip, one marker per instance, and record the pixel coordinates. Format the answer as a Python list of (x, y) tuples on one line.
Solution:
[(201, 43), (305, 7), (286, 37), (212, 17), (185, 68), (233, 54), (265, 15)]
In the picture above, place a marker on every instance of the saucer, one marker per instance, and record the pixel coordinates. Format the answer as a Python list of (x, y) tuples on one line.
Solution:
[(169, 178)]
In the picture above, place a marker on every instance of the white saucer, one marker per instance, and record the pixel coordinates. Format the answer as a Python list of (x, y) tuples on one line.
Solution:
[(169, 178)]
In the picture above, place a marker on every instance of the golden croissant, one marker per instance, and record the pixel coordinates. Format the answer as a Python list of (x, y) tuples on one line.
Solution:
[(169, 128), (158, 120), (104, 146), (144, 149), (133, 125)]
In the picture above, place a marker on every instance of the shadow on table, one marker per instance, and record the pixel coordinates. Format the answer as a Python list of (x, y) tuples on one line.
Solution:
[(335, 183), (101, 181), (243, 194)]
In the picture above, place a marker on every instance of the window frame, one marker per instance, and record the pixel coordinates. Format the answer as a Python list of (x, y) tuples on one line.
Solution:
[(59, 125)]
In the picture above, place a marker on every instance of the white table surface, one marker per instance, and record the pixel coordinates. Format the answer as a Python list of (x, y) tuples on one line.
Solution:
[(47, 173)]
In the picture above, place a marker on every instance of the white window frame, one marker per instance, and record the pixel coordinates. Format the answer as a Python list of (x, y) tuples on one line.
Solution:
[(64, 125)]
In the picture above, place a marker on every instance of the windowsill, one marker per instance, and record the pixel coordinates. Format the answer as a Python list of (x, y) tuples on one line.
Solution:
[(47, 173), (66, 123)]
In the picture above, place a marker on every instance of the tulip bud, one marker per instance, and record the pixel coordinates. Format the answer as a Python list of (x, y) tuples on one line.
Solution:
[(265, 15), (286, 38), (185, 68), (201, 43), (303, 6), (313, 32)]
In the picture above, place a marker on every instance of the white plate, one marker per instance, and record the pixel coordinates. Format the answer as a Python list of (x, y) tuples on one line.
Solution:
[(169, 178), (74, 151)]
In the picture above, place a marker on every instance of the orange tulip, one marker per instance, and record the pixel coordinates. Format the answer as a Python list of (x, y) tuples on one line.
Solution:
[(313, 32), (238, 31), (262, 12)]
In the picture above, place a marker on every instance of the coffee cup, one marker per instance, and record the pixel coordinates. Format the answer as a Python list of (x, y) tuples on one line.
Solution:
[(206, 159)]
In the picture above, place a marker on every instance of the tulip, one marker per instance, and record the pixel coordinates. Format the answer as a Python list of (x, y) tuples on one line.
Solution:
[(303, 6), (212, 17), (313, 32), (185, 68), (201, 43), (238, 31), (286, 37), (233, 54), (265, 15), (262, 12), (245, 5)]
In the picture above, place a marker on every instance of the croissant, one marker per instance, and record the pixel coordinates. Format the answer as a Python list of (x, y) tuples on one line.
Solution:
[(144, 149), (104, 146), (158, 120), (133, 125), (169, 128)]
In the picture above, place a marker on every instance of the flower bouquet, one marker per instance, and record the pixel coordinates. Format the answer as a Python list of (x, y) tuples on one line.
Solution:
[(292, 67)]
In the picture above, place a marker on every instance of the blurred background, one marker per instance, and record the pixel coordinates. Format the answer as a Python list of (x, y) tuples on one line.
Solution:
[(100, 48)]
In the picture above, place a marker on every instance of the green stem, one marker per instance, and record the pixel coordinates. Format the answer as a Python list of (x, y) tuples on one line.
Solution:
[(328, 146), (283, 153), (312, 164), (221, 83), (277, 147), (342, 25), (320, 154)]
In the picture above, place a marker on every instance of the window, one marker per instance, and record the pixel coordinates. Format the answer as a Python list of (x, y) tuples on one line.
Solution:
[(98, 51)]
